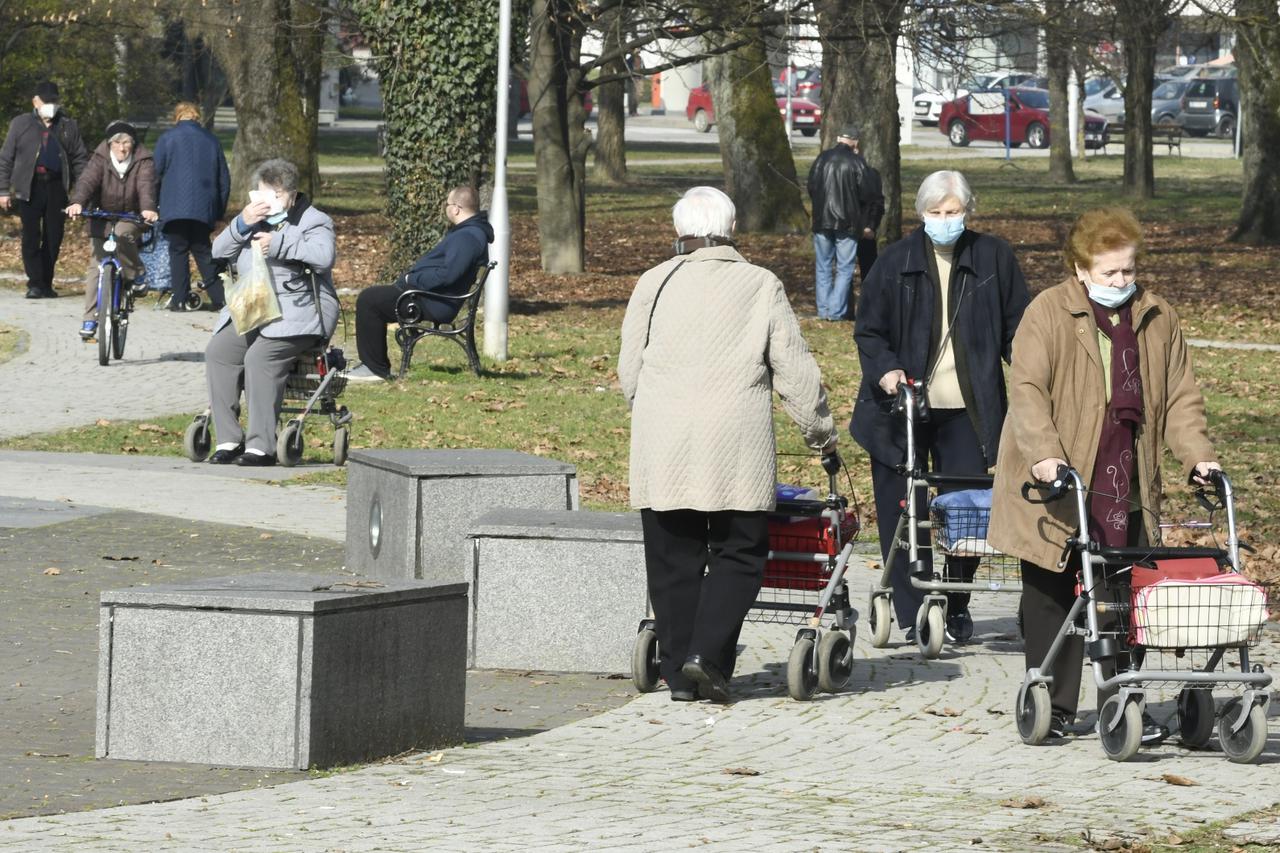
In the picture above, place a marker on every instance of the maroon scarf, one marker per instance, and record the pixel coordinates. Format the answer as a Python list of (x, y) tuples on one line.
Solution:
[(1109, 501)]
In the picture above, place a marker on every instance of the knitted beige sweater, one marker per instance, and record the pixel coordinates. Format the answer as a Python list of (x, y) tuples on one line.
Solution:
[(723, 338)]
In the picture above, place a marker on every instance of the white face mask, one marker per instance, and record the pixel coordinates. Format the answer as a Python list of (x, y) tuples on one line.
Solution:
[(1107, 297), (48, 111)]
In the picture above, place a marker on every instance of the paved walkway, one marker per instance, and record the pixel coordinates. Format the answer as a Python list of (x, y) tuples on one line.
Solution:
[(57, 382)]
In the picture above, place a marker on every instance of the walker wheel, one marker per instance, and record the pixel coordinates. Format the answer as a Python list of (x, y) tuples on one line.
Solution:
[(881, 620), (341, 442), (289, 444), (1245, 745), (644, 661), (194, 300), (1195, 717), (835, 661), (196, 441), (802, 679), (1120, 728), (930, 629), (1034, 713)]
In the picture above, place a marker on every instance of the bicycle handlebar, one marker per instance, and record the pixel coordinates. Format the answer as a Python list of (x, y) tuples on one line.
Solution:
[(114, 215)]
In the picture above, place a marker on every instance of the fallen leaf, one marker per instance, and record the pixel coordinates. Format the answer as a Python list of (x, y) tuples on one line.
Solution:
[(120, 559), (945, 712), (435, 758), (740, 771), (656, 723), (1181, 781), (102, 422), (53, 570), (1174, 840), (401, 783), (49, 754), (151, 428), (265, 536), (1111, 844), (1024, 803), (503, 710)]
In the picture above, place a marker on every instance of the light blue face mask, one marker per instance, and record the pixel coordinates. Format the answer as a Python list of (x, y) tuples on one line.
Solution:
[(944, 230), (1111, 297), (277, 218)]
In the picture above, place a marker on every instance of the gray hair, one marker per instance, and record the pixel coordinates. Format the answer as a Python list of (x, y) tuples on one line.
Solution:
[(940, 186), (704, 212), (120, 137), (277, 174)]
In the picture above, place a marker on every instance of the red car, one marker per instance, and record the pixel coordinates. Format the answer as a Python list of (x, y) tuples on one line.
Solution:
[(980, 115), (806, 116)]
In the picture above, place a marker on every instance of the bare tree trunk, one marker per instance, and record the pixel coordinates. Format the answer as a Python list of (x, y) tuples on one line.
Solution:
[(271, 53), (560, 139), (859, 86), (1258, 58), (611, 119), (1058, 39), (759, 171), (1141, 24)]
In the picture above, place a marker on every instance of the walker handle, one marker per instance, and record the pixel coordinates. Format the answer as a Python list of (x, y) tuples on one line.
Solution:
[(1051, 491)]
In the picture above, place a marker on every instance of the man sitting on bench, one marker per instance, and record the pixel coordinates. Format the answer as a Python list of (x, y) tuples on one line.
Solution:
[(449, 269)]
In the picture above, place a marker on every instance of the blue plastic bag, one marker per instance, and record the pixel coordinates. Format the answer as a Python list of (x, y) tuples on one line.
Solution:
[(962, 515)]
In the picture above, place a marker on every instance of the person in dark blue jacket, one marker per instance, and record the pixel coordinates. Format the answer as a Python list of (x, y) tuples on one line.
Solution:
[(449, 268), (195, 185)]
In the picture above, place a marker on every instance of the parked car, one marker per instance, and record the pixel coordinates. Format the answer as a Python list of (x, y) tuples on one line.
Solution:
[(804, 81), (1107, 102), (806, 116), (928, 105), (1210, 106), (980, 116), (1166, 101), (1191, 72)]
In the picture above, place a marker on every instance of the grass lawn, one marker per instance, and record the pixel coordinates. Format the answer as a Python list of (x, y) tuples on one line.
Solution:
[(557, 395), (12, 341)]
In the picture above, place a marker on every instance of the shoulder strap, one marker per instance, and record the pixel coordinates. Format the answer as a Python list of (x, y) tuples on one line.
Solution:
[(654, 306)]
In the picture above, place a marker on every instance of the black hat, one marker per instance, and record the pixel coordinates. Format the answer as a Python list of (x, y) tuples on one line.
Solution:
[(122, 126), (849, 131), (47, 92)]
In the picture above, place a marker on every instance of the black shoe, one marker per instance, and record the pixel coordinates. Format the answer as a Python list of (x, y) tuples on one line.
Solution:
[(1059, 725), (226, 457), (48, 293), (959, 626), (709, 680), (35, 293), (910, 636), (256, 460), (684, 694), (1153, 732)]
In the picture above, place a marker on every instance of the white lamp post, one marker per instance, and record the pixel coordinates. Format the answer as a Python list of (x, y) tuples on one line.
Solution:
[(495, 290)]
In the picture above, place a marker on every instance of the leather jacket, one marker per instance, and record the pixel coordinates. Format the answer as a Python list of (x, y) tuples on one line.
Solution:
[(838, 190)]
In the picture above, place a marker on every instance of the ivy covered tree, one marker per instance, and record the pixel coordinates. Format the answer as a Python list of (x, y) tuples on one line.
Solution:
[(437, 69)]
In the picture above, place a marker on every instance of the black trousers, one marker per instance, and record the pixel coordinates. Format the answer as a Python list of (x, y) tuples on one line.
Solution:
[(375, 310), (191, 237), (42, 229), (952, 447), (704, 570), (1047, 597)]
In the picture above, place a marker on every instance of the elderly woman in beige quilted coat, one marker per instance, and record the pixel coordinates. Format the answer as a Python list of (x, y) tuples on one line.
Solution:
[(707, 339)]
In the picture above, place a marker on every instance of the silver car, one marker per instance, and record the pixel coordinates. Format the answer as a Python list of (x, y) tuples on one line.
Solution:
[(1107, 102), (1166, 101)]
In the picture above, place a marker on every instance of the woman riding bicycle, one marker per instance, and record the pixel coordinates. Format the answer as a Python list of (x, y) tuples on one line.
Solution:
[(119, 178)]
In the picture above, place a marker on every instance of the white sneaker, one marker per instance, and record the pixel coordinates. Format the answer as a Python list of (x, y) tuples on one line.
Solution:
[(364, 374)]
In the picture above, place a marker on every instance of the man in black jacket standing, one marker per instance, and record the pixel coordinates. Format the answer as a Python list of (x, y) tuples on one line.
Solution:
[(842, 204), (42, 157), (447, 269)]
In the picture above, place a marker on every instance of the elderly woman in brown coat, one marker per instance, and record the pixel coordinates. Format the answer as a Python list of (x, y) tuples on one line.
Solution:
[(120, 178), (707, 339), (1101, 381)]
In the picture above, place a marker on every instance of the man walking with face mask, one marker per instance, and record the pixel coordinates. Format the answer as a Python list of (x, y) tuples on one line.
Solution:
[(41, 159)]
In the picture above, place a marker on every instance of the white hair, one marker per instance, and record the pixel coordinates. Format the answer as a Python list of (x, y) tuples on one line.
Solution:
[(941, 186), (704, 212)]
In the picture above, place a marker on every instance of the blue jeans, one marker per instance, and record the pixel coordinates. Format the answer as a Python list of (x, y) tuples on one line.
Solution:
[(833, 297)]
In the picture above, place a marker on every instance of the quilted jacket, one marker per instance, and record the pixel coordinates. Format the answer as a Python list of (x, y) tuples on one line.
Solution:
[(700, 380)]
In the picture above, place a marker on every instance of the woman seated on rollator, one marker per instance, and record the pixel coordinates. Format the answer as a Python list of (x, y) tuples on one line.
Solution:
[(297, 241)]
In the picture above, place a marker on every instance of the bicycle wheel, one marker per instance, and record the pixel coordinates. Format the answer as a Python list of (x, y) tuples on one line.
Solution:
[(104, 317), (119, 331)]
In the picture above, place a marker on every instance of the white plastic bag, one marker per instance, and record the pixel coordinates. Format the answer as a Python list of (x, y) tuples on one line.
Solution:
[(251, 299)]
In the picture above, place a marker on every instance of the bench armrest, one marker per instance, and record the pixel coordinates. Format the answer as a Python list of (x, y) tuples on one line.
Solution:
[(409, 310)]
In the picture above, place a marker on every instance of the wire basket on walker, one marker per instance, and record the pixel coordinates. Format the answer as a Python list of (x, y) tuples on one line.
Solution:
[(1159, 617), (943, 515), (810, 544)]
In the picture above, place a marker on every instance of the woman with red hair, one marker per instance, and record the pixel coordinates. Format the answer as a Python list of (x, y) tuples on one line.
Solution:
[(1101, 380)]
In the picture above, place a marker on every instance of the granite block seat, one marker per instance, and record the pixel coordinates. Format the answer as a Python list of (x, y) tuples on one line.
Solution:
[(560, 591), (280, 670)]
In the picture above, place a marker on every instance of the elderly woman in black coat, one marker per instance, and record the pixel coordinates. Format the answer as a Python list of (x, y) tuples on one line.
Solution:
[(940, 307)]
